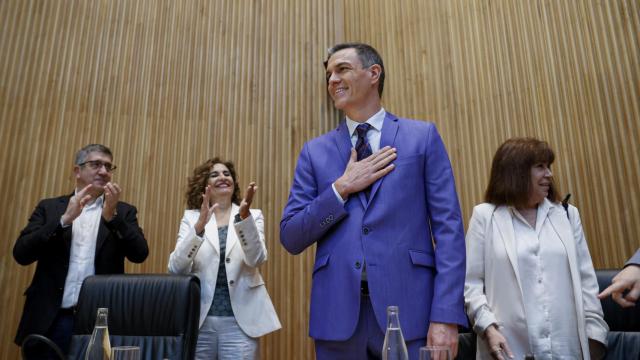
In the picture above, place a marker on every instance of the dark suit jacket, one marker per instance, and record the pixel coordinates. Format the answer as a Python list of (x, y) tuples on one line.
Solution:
[(44, 240)]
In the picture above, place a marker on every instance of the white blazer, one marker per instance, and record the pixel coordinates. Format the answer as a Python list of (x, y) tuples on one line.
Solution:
[(245, 251), (493, 291)]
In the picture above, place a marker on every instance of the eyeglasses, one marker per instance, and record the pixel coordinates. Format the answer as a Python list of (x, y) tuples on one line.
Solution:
[(97, 164)]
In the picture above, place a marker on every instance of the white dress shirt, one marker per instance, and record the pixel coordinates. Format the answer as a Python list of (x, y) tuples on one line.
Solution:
[(84, 234), (373, 136), (547, 288)]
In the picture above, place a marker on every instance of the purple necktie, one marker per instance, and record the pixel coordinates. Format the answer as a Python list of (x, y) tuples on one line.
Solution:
[(362, 145), (363, 148)]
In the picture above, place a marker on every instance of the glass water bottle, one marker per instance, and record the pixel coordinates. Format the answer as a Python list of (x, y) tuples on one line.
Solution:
[(394, 347), (99, 346)]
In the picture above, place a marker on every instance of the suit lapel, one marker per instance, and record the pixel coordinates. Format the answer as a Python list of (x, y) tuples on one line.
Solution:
[(342, 139), (232, 238), (61, 208), (343, 142), (504, 224), (562, 226), (103, 233), (211, 233), (388, 138)]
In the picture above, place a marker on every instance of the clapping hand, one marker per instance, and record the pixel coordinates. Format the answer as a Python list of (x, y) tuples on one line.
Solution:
[(76, 204), (111, 197), (246, 202), (206, 211)]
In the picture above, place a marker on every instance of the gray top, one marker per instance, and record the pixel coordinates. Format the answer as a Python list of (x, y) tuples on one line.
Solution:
[(221, 305)]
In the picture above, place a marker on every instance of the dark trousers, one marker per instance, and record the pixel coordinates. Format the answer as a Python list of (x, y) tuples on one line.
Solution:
[(366, 341), (60, 333)]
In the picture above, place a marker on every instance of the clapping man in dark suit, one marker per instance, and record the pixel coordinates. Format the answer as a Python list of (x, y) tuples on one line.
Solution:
[(72, 237)]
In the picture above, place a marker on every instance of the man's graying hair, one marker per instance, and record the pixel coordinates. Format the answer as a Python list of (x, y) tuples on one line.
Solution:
[(366, 53), (82, 154)]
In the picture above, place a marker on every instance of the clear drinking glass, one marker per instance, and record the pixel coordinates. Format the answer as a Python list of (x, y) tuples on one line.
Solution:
[(125, 353), (435, 353)]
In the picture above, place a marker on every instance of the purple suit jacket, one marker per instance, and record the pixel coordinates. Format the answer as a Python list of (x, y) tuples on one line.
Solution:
[(393, 232)]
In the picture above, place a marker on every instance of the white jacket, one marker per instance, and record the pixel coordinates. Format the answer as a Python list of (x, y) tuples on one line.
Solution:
[(493, 289), (245, 251)]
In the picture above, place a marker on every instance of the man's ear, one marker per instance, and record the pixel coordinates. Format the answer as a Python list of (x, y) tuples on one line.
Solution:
[(375, 70), (76, 171)]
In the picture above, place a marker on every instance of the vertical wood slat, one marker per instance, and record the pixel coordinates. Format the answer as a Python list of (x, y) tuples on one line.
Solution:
[(168, 85)]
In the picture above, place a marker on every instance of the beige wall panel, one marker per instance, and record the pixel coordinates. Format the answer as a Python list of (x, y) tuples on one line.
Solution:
[(168, 84)]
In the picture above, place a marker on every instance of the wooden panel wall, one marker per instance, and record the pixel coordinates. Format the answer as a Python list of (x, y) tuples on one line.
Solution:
[(168, 84)]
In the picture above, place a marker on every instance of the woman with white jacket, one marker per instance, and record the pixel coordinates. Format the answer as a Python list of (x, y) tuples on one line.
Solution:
[(530, 286), (222, 242)]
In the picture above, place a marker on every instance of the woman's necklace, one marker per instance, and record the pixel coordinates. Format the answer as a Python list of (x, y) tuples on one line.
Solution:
[(529, 215)]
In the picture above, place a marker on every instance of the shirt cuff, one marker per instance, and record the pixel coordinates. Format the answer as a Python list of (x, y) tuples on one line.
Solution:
[(62, 225), (333, 186)]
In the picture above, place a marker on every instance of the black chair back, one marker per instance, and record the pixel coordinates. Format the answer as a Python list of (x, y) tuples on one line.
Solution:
[(39, 343), (158, 312)]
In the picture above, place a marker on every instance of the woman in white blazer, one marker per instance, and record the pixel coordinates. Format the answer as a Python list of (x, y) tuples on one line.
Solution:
[(530, 287), (222, 242)]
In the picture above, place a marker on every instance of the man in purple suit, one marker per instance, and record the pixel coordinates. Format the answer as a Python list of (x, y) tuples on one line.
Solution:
[(377, 197)]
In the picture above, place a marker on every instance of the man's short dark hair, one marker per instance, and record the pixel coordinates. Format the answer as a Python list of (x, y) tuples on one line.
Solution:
[(82, 154), (366, 53)]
